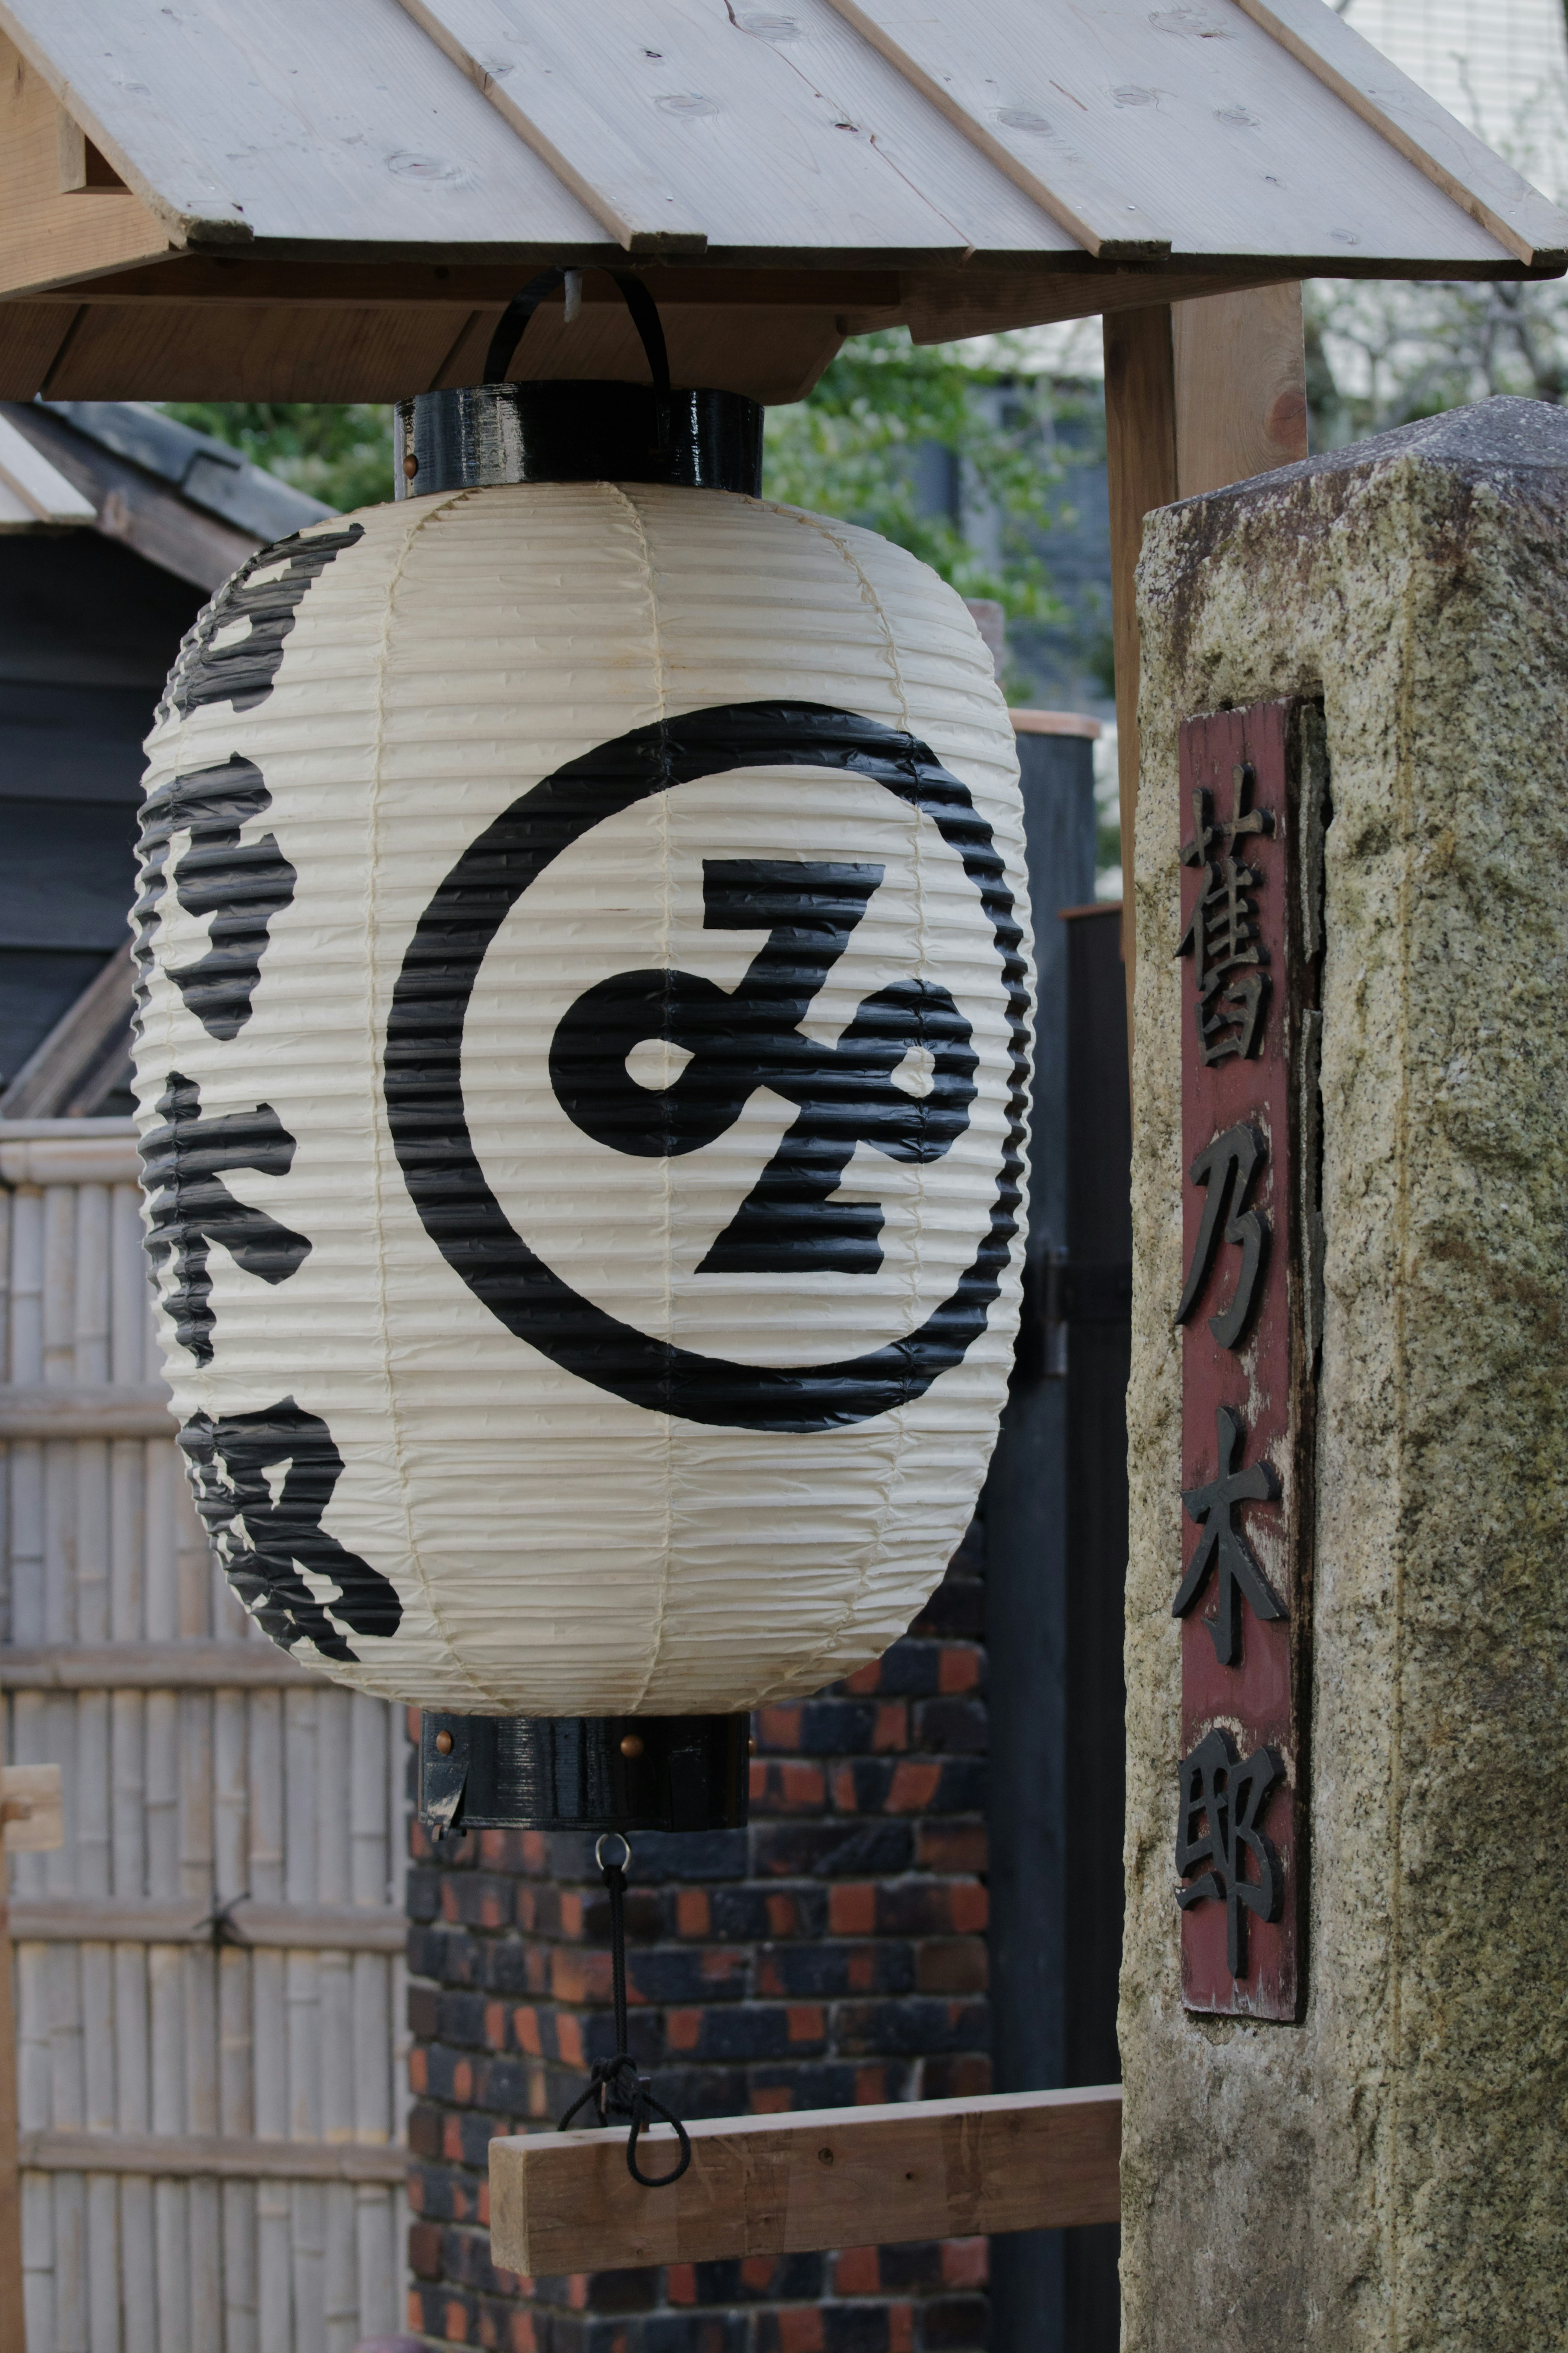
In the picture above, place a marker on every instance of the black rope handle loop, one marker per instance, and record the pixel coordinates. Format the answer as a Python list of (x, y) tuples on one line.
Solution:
[(644, 2113), (514, 319), (603, 2079), (644, 310)]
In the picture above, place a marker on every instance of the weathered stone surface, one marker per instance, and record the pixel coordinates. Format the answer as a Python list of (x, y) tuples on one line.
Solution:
[(1394, 2172)]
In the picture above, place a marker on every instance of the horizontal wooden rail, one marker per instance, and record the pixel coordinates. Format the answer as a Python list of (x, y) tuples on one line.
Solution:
[(1054, 722), (149, 1666), (200, 2156), (76, 1410), (828, 2177), (293, 1928), (74, 1152)]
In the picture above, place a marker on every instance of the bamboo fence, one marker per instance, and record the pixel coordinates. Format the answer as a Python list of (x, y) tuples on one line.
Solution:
[(209, 1974)]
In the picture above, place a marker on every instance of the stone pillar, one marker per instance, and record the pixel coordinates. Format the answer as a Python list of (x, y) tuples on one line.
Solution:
[(1390, 2172)]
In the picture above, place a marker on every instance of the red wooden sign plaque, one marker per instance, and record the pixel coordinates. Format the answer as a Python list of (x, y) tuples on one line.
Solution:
[(1252, 807)]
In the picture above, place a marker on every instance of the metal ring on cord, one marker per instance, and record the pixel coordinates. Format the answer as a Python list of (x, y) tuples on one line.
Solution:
[(599, 1851)]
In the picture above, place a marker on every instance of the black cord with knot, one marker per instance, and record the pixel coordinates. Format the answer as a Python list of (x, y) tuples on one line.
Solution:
[(615, 2091)]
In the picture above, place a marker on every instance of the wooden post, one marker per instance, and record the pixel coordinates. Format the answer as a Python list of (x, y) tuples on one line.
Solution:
[(1196, 395), (12, 2310), (30, 1823)]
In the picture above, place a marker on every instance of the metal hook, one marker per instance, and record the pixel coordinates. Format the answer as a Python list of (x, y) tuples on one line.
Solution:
[(626, 1850)]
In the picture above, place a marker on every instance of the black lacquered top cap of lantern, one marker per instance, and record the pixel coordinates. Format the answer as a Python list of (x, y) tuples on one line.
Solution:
[(580, 430)]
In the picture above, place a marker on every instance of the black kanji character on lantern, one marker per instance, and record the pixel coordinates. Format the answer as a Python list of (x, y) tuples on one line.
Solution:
[(238, 885), (1226, 1169), (266, 1531), (1221, 931), (900, 1077), (1224, 1545), (192, 1206), (1228, 1794), (217, 664)]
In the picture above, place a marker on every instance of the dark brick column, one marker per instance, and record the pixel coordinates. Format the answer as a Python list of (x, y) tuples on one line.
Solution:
[(833, 1954)]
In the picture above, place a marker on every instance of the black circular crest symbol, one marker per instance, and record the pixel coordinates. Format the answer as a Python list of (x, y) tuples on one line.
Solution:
[(737, 1042)]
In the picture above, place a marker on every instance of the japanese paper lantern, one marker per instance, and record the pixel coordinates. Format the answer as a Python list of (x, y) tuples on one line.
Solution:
[(581, 1073)]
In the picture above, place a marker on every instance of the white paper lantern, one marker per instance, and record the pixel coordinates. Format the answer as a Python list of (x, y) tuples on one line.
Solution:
[(582, 1057)]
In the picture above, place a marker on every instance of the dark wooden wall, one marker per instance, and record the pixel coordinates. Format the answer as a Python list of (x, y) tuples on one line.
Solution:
[(88, 633), (1054, 1520)]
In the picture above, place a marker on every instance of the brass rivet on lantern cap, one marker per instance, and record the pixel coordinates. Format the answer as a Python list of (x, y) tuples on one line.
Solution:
[(751, 1745), (410, 467), (443, 1743), (632, 1745)]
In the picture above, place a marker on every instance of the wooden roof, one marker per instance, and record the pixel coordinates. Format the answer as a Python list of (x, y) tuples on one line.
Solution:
[(334, 198)]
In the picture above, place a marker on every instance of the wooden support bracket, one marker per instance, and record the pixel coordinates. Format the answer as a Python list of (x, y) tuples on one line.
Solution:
[(826, 2178)]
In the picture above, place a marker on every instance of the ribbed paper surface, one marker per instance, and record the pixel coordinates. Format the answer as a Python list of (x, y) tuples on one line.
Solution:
[(544, 1542)]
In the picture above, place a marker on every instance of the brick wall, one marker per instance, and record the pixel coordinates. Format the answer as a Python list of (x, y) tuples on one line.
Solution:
[(833, 1953)]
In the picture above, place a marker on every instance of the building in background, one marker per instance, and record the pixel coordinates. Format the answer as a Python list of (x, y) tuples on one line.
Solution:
[(116, 524), (1501, 66)]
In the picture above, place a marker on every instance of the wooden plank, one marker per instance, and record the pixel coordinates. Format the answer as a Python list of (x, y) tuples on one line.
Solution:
[(739, 131), (206, 114), (77, 1152), (123, 1920), (1054, 722), (944, 308), (991, 212), (1235, 134), (46, 236), (1452, 157), (52, 1409), (264, 350), (706, 139), (211, 279), (149, 1666), (826, 2178), (955, 63), (200, 350), (1189, 131), (171, 2156)]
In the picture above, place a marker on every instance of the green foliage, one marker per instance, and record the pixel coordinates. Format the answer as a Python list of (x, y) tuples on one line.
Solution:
[(855, 450), (855, 446), (340, 452)]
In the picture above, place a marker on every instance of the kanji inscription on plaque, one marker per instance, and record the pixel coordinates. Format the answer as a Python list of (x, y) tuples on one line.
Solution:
[(1253, 805)]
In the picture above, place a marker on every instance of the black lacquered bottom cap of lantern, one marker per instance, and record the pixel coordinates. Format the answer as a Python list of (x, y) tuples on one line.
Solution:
[(584, 1772)]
